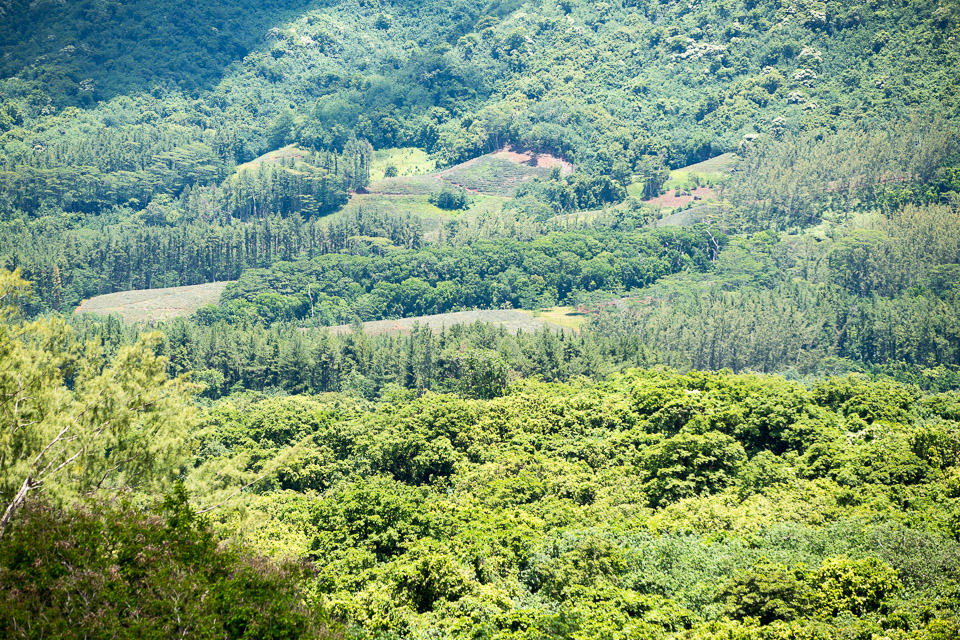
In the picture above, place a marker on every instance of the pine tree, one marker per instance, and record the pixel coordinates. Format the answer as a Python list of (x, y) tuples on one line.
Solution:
[(76, 422)]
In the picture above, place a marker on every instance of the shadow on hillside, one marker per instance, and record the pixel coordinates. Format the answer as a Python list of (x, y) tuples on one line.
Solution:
[(84, 51)]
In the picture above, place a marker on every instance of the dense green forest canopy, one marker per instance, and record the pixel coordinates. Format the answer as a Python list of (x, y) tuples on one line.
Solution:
[(732, 228), (611, 85)]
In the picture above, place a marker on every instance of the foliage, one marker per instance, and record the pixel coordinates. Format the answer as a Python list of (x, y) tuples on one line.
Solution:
[(653, 501), (449, 198), (463, 481), (77, 422), (115, 572)]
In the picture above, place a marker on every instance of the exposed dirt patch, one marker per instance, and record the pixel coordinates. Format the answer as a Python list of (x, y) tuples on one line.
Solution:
[(672, 200), (540, 160)]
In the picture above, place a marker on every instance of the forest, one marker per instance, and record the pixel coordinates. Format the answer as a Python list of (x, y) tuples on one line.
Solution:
[(506, 319)]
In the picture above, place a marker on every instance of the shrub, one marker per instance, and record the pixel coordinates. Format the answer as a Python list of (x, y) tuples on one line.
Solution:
[(449, 198)]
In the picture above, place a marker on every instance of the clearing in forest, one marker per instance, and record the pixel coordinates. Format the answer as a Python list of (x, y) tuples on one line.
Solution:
[(154, 305), (566, 317), (274, 157), (494, 174), (418, 205), (691, 183), (406, 186), (491, 175), (689, 217), (513, 320), (408, 161), (706, 173), (679, 198)]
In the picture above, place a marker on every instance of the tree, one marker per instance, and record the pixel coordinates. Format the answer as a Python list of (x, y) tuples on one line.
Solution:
[(691, 464), (75, 422), (767, 592), (103, 572), (449, 198), (858, 586)]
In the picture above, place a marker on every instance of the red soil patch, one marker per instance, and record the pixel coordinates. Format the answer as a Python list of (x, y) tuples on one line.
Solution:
[(543, 160), (672, 200)]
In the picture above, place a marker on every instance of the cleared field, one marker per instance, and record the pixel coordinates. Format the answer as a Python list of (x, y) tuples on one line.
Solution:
[(691, 216), (513, 320), (407, 186), (392, 204), (708, 171), (154, 305), (674, 198), (409, 161), (495, 174), (418, 205), (720, 164), (492, 175), (566, 317), (542, 160)]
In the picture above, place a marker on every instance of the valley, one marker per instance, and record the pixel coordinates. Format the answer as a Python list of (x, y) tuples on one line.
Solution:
[(461, 320)]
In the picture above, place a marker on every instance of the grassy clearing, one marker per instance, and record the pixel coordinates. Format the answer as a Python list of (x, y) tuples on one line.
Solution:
[(693, 215), (708, 171), (480, 204), (390, 204), (407, 186), (154, 305), (635, 190), (492, 175), (420, 205), (430, 215), (686, 180), (566, 317), (720, 164), (409, 161), (513, 320), (274, 157)]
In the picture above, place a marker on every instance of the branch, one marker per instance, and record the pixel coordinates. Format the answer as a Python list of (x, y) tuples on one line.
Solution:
[(65, 463), (235, 493)]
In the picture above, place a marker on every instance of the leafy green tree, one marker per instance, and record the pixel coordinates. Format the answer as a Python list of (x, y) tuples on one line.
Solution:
[(858, 586), (481, 373), (117, 572), (690, 464), (768, 592), (449, 198)]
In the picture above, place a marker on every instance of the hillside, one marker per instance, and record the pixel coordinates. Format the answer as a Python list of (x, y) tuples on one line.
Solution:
[(463, 320)]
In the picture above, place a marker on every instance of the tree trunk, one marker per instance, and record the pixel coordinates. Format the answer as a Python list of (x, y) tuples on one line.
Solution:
[(16, 503)]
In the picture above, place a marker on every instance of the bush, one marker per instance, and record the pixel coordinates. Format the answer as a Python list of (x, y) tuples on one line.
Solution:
[(449, 198)]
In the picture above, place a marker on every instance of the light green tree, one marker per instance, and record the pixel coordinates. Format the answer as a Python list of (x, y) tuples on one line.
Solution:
[(74, 423)]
